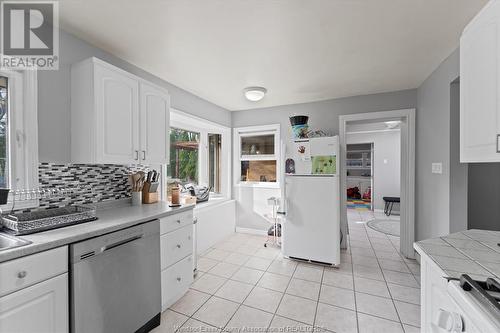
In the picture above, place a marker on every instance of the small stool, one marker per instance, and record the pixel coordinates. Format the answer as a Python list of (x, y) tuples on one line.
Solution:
[(389, 203), (275, 220)]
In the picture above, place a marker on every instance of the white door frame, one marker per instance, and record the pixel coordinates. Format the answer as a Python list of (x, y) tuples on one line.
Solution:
[(407, 207)]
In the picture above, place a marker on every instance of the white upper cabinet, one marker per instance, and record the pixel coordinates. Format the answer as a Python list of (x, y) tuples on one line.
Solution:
[(479, 87), (116, 117), (154, 118)]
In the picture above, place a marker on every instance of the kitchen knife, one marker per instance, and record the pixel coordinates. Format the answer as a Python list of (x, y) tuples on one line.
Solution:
[(153, 187)]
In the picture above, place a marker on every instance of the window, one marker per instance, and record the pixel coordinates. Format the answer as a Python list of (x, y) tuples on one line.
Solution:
[(18, 133), (214, 161), (184, 146), (257, 145), (257, 155), (200, 153), (4, 132)]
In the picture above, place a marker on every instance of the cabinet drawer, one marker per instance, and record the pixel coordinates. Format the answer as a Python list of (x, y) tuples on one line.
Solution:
[(175, 221), (175, 281), (176, 245), (41, 308), (26, 271)]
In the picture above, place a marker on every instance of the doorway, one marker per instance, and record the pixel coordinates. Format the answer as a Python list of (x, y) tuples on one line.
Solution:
[(396, 168)]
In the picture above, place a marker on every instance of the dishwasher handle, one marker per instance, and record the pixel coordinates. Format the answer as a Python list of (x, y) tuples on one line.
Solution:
[(121, 242), (93, 247)]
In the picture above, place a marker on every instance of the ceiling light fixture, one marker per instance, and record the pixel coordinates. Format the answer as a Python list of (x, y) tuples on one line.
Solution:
[(255, 94)]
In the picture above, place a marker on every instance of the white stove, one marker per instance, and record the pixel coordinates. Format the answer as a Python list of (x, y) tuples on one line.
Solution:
[(474, 307)]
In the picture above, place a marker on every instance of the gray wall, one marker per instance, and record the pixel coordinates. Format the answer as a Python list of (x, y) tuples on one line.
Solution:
[(323, 115), (458, 171), (433, 139), (433, 145), (484, 196), (54, 98)]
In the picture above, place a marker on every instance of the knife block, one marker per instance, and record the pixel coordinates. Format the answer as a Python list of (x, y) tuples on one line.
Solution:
[(147, 197)]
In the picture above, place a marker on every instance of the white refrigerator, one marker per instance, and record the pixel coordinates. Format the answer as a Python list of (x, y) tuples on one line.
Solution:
[(311, 229)]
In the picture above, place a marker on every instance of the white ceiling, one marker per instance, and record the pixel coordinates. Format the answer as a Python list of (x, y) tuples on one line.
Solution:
[(301, 51)]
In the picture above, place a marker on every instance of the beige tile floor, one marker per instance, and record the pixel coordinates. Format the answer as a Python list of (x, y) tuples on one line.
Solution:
[(244, 287)]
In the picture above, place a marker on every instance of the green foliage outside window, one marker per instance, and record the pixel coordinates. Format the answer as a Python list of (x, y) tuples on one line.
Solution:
[(183, 155), (3, 132)]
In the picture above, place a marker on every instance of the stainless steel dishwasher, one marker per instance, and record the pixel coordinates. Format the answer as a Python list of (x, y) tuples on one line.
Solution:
[(115, 281)]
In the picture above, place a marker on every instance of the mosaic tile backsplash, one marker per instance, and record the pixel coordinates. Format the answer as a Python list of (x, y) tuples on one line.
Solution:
[(89, 183)]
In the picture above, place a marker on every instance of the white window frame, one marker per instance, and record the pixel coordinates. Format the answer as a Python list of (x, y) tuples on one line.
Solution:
[(22, 135), (241, 132), (186, 121)]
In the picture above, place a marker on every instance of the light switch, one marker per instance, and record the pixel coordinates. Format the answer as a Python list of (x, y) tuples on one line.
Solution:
[(437, 168)]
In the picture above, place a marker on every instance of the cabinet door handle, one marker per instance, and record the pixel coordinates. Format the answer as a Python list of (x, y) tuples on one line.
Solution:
[(22, 274), (144, 155), (178, 246), (179, 221), (498, 143), (136, 155), (179, 279)]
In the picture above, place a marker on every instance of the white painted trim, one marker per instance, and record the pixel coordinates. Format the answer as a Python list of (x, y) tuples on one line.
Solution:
[(184, 120), (197, 121), (238, 133), (251, 231), (258, 185), (407, 207), (212, 203), (23, 135), (374, 131)]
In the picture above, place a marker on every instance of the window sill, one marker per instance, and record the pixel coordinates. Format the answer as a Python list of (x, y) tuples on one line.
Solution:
[(212, 202), (258, 185)]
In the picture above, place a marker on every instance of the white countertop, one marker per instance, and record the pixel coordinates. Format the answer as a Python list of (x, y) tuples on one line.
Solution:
[(109, 219), (473, 252)]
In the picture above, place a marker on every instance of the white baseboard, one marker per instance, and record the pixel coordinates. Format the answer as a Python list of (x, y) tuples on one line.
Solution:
[(251, 231)]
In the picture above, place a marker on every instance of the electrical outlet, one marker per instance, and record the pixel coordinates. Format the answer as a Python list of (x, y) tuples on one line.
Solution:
[(437, 168)]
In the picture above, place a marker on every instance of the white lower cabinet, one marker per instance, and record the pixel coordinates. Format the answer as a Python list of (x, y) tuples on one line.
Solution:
[(35, 293), (175, 281), (176, 244), (433, 294), (41, 308)]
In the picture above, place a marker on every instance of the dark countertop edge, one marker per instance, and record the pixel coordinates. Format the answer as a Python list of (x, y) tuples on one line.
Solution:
[(36, 247)]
